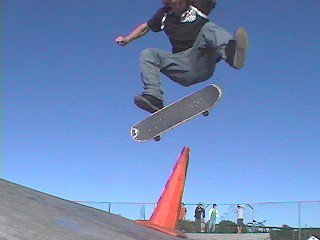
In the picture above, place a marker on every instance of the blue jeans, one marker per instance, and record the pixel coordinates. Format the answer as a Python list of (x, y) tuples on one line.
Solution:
[(191, 66), (212, 224)]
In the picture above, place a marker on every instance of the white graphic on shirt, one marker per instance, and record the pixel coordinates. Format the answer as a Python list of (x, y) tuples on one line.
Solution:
[(189, 16)]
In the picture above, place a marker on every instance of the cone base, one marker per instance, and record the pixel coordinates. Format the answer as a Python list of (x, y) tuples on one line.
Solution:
[(172, 232)]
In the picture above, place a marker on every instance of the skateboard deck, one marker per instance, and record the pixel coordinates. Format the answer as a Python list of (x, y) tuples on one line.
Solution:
[(171, 116)]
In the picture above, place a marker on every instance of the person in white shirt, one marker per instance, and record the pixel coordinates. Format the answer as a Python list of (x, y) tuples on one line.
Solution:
[(240, 215), (213, 215)]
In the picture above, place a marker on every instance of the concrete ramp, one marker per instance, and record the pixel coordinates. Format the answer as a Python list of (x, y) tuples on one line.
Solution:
[(26, 214)]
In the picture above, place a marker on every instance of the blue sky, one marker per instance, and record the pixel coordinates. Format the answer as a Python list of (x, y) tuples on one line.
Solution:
[(67, 105)]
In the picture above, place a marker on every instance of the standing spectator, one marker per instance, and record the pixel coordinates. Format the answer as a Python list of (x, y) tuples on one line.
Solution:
[(183, 212), (199, 215), (213, 215), (182, 216), (240, 215)]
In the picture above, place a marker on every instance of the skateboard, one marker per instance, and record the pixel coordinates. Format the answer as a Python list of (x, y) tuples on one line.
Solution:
[(171, 116)]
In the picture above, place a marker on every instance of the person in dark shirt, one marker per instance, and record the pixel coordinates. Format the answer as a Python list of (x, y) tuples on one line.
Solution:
[(199, 217), (197, 45)]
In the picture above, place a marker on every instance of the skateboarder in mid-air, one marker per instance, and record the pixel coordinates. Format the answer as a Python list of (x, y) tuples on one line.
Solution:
[(197, 45)]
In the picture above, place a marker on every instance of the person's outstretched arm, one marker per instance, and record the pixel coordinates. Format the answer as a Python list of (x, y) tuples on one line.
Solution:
[(138, 32)]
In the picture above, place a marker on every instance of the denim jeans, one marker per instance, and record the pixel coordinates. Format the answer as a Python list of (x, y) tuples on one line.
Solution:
[(186, 68), (212, 225)]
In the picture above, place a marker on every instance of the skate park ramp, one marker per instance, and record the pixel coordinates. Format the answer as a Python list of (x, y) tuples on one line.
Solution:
[(27, 214)]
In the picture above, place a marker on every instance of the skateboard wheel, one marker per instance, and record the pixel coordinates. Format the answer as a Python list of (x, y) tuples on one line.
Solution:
[(157, 138), (206, 113), (134, 133)]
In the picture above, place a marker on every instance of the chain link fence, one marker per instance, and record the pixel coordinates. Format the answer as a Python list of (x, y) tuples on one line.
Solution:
[(299, 216)]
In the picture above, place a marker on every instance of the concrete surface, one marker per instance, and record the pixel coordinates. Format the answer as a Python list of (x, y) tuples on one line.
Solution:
[(217, 236), (26, 214)]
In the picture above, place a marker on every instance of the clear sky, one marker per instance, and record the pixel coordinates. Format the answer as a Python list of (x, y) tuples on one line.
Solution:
[(67, 105)]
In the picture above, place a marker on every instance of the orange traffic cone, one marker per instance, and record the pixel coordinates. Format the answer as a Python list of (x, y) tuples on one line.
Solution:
[(165, 216)]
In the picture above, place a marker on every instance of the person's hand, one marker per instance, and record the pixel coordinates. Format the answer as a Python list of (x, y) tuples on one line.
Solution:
[(122, 41)]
